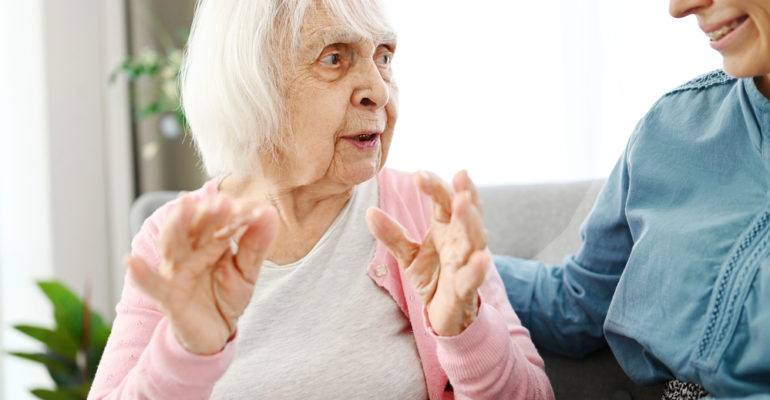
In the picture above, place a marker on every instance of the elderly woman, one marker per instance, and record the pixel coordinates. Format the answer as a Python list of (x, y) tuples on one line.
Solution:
[(266, 283)]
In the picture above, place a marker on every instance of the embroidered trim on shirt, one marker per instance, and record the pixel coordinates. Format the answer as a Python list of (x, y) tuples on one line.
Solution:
[(731, 289), (705, 81)]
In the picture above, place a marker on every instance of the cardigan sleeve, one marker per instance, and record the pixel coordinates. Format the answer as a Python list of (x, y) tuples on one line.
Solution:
[(143, 359), (494, 357)]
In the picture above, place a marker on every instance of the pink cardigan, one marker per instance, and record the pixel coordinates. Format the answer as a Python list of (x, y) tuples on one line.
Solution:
[(493, 358)]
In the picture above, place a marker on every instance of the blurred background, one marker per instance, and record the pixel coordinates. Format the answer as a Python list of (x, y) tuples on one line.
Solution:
[(514, 91)]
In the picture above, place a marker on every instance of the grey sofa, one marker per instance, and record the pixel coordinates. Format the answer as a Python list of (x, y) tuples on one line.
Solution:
[(537, 222), (541, 222)]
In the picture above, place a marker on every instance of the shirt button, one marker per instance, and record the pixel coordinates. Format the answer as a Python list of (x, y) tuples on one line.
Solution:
[(380, 270)]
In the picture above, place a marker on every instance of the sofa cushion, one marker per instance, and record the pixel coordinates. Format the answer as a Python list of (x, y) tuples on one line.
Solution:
[(542, 222)]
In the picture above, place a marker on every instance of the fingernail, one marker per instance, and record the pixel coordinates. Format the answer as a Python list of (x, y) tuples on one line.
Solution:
[(222, 232)]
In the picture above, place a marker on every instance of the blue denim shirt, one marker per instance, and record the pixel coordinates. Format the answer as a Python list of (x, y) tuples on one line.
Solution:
[(674, 270)]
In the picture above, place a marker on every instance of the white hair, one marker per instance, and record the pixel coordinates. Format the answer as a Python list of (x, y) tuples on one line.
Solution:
[(230, 78)]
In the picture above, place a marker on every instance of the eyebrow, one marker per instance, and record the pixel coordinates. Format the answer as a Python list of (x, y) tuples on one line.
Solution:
[(327, 36), (389, 37)]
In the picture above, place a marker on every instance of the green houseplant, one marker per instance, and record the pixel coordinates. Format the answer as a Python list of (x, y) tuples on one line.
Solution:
[(162, 69), (159, 72), (73, 347)]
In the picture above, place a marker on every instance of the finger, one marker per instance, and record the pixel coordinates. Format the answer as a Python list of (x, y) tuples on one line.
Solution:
[(231, 294), (184, 243), (471, 220), (148, 280), (392, 235), (232, 218), (440, 195), (255, 243), (462, 183), (469, 278), (242, 216), (182, 216), (173, 241), (235, 224), (211, 216)]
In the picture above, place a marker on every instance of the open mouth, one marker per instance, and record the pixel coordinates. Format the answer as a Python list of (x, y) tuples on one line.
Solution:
[(364, 140), (723, 31), (364, 137)]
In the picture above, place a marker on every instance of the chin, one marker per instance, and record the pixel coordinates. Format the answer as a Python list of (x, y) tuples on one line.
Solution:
[(363, 176), (744, 67), (356, 176), (736, 71)]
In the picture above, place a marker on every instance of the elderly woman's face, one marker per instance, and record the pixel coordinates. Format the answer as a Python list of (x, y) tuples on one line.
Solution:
[(341, 101)]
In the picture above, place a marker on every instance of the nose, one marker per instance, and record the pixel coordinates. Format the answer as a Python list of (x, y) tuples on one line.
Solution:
[(683, 8), (371, 91)]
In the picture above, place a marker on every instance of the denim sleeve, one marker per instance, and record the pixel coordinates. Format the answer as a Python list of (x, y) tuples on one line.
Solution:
[(564, 306)]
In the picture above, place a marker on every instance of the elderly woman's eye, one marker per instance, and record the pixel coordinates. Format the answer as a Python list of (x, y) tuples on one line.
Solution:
[(331, 59), (385, 58)]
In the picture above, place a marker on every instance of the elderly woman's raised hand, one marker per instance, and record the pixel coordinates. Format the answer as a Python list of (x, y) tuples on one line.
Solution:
[(450, 264), (201, 286)]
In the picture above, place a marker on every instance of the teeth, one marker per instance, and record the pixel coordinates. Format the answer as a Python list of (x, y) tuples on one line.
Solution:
[(721, 32)]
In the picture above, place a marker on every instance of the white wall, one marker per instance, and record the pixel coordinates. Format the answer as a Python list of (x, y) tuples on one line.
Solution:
[(528, 91), (26, 243), (90, 177), (66, 182)]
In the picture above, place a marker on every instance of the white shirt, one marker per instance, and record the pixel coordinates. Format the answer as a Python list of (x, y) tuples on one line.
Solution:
[(320, 328)]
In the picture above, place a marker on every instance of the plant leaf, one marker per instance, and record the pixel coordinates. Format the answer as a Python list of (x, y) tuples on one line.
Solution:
[(47, 394), (151, 109), (78, 392), (68, 309), (100, 331), (55, 340), (51, 362)]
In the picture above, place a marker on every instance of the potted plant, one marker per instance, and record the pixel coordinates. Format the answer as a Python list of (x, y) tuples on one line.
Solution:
[(161, 70), (73, 347)]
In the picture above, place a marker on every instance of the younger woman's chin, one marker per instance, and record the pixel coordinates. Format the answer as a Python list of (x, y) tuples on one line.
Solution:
[(738, 68)]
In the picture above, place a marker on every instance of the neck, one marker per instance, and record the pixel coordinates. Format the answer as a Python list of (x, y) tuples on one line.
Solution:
[(305, 211), (763, 84)]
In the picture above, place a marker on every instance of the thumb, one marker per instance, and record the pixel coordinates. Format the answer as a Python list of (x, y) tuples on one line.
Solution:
[(392, 235), (255, 243)]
